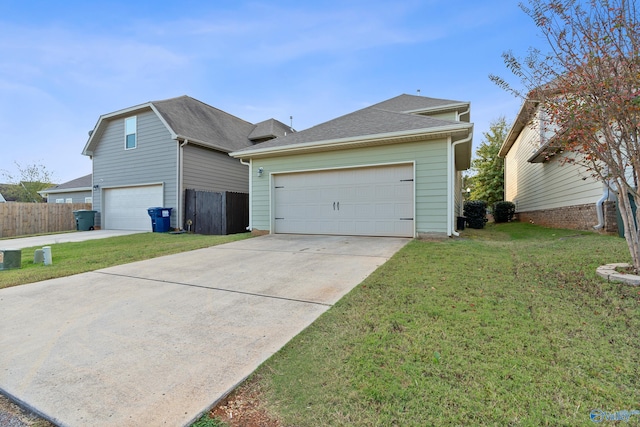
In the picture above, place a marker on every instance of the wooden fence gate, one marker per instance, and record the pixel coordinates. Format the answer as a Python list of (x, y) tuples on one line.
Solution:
[(221, 213)]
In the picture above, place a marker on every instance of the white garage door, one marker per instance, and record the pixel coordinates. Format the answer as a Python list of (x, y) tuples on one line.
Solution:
[(126, 208), (372, 201)]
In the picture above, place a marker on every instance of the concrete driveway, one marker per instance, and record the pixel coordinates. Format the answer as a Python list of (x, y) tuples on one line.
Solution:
[(158, 342), (50, 239)]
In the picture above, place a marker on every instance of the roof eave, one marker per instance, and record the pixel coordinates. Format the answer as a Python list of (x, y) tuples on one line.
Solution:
[(327, 145), (522, 119), (201, 143), (446, 107), (64, 190)]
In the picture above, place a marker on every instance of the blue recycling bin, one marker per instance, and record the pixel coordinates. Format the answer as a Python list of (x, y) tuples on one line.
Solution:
[(160, 219)]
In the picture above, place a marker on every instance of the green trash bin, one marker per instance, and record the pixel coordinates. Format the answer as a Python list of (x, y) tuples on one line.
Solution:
[(10, 258), (84, 219)]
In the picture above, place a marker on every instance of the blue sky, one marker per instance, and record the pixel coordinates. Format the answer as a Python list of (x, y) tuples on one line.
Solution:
[(63, 64)]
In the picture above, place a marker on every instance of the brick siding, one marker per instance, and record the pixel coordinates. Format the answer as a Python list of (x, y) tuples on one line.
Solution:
[(579, 217)]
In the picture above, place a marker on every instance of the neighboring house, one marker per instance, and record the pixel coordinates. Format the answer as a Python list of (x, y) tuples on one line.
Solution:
[(15, 192), (546, 189), (75, 191), (392, 169), (147, 155)]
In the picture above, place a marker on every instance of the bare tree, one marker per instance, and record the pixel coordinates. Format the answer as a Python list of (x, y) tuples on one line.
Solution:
[(588, 85)]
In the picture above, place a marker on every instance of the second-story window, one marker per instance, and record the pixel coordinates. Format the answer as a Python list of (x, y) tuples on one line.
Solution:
[(130, 130)]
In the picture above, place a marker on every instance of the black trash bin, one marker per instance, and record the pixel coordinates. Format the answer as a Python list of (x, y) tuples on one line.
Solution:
[(461, 223), (160, 219), (84, 219), (619, 215)]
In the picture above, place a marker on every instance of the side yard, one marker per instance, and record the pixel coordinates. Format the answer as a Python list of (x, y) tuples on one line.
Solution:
[(506, 326)]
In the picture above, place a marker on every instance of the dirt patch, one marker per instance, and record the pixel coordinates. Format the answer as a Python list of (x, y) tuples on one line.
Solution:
[(243, 408)]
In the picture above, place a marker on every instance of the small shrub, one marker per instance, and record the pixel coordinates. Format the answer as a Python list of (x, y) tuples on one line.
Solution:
[(503, 211), (476, 213)]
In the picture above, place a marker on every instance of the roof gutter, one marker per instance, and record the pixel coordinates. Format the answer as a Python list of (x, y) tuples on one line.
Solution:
[(446, 107), (332, 143), (199, 142)]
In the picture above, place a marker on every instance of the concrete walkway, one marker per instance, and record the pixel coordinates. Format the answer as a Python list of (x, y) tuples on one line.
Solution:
[(158, 342), (51, 239)]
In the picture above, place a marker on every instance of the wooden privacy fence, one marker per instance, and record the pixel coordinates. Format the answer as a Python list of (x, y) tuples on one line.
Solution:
[(18, 219), (221, 213)]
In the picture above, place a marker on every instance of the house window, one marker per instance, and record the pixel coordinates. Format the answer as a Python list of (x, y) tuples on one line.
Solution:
[(130, 130), (88, 199), (59, 200), (69, 200)]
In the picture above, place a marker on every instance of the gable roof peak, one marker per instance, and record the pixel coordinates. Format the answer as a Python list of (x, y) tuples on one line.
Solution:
[(405, 103)]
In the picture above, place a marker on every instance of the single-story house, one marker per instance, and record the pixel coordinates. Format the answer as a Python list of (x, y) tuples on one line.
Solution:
[(149, 154), (391, 169), (75, 191), (545, 188)]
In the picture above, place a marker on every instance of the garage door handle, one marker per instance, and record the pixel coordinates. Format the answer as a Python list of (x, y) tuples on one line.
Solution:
[(334, 206), (338, 205)]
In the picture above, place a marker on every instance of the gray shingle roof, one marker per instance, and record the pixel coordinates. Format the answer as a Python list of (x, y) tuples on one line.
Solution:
[(194, 119), (82, 182), (405, 103), (269, 129), (385, 117), (188, 118)]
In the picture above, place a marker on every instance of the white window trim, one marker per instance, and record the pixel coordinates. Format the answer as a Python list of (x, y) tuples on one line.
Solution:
[(135, 133), (59, 200)]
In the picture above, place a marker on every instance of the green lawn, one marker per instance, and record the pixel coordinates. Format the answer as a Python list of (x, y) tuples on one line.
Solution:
[(508, 326), (74, 258)]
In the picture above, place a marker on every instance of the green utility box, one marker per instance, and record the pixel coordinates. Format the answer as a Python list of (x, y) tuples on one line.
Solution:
[(10, 259)]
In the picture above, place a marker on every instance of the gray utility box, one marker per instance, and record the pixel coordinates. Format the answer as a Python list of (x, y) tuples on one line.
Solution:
[(10, 258)]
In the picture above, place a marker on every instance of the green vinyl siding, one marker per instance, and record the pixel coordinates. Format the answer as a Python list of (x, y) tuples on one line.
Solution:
[(430, 159)]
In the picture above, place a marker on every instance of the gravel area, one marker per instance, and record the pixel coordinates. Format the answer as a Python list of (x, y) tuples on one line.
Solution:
[(11, 415)]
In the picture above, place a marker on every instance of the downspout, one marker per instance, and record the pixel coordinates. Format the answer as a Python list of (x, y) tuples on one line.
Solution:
[(450, 185), (179, 179), (458, 115), (250, 226), (599, 206)]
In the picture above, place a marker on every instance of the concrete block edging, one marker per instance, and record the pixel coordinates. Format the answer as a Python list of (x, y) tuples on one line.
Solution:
[(610, 273)]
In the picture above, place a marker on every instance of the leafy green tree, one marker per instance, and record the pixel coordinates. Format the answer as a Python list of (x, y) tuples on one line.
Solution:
[(29, 180), (488, 182)]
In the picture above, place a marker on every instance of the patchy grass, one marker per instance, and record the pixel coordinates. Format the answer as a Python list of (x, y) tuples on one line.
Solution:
[(508, 326), (80, 257)]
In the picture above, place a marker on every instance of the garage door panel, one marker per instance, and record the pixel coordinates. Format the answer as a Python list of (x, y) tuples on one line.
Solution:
[(126, 208), (361, 201)]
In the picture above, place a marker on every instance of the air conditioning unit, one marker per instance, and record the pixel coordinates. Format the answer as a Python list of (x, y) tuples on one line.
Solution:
[(10, 258)]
